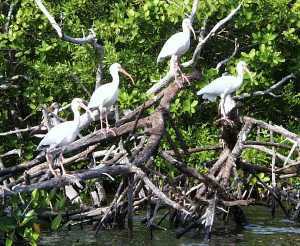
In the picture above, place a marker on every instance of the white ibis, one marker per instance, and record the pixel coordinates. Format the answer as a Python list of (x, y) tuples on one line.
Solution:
[(54, 118), (224, 85), (106, 95), (63, 133), (177, 45)]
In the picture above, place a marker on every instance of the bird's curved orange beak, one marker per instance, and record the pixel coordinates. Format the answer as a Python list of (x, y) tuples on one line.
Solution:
[(192, 29), (82, 105), (122, 70)]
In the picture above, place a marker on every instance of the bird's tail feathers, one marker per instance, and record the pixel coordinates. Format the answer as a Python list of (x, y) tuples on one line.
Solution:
[(209, 97), (204, 95), (199, 93), (159, 59)]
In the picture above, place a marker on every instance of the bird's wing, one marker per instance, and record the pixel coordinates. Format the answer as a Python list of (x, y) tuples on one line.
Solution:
[(57, 134), (99, 95), (174, 44), (217, 86)]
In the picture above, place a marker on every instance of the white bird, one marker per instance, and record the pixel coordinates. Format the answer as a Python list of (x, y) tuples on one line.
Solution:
[(177, 45), (224, 85), (54, 118), (63, 133), (106, 95)]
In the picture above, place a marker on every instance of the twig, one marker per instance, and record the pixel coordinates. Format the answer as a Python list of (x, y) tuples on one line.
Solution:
[(274, 195), (267, 91), (274, 128), (130, 205), (28, 129), (222, 63), (290, 153), (270, 152), (158, 193), (273, 161), (285, 146)]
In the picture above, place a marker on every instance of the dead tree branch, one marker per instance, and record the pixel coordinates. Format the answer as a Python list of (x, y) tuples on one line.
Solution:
[(209, 35), (268, 91)]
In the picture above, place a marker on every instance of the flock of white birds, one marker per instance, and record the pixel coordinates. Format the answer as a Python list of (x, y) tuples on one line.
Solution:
[(106, 95)]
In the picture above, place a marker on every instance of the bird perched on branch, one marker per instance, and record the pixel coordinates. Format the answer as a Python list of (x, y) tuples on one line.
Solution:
[(224, 85), (176, 46), (63, 133), (106, 95)]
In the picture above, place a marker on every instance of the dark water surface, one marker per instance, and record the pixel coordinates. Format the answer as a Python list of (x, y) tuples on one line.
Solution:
[(262, 230)]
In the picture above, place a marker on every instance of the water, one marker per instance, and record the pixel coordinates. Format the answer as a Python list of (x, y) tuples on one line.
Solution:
[(262, 230)]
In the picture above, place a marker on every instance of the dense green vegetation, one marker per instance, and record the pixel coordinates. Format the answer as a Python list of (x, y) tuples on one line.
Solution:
[(39, 68)]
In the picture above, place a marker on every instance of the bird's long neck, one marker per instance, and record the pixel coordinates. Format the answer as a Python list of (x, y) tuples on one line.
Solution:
[(115, 79), (76, 117), (240, 77), (187, 32)]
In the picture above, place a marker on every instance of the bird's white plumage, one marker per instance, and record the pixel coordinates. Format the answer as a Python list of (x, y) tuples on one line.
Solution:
[(60, 135), (224, 85), (66, 132), (106, 95), (178, 43)]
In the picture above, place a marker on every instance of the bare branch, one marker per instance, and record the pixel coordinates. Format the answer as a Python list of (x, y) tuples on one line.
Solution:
[(161, 83), (285, 146), (194, 10), (209, 35), (267, 91), (90, 39), (270, 152), (27, 129), (222, 63), (12, 152), (49, 17), (9, 16), (159, 193), (274, 128), (82, 175)]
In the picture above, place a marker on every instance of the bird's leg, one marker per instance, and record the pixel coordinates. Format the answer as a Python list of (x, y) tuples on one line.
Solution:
[(222, 107), (61, 163), (175, 61), (108, 129), (177, 68), (223, 112), (184, 78), (100, 115), (73, 179), (50, 163), (174, 69)]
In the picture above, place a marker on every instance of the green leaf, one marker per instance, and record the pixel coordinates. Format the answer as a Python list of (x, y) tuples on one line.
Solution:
[(8, 242), (56, 222), (35, 195), (29, 216)]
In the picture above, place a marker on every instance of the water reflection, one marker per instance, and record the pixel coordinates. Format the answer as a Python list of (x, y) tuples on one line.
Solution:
[(262, 230)]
